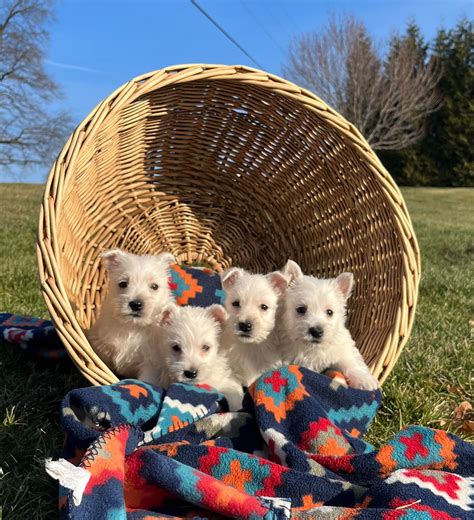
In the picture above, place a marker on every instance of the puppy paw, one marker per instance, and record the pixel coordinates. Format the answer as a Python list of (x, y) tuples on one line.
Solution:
[(363, 381), (234, 400)]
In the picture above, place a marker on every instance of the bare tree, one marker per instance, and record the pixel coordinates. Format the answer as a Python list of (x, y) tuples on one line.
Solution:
[(30, 131), (386, 97)]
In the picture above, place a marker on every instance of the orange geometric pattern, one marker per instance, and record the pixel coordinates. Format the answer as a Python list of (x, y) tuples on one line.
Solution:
[(238, 476), (135, 390), (293, 391), (193, 286), (170, 449), (432, 449), (385, 458), (308, 503), (323, 438), (447, 451)]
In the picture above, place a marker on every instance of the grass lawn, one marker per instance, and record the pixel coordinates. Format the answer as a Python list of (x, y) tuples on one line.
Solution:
[(433, 375)]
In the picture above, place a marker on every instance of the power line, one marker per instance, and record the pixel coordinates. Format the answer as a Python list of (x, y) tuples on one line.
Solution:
[(289, 16), (262, 26), (271, 12), (225, 33)]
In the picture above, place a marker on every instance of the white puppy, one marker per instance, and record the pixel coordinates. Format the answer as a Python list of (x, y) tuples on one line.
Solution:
[(314, 334), (188, 351), (138, 291), (249, 338)]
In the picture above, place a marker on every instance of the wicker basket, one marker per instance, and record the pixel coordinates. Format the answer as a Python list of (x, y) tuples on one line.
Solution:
[(226, 165)]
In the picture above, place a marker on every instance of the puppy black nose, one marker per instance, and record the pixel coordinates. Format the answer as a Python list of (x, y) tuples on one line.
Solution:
[(316, 332), (245, 326), (136, 305), (190, 374)]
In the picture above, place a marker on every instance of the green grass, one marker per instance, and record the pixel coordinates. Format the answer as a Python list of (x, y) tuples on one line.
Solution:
[(436, 370), (30, 392), (433, 375)]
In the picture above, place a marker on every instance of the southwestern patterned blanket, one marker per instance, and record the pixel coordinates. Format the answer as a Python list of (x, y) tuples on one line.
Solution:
[(296, 450)]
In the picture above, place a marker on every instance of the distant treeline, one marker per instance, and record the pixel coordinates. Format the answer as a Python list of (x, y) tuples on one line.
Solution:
[(412, 99), (445, 155)]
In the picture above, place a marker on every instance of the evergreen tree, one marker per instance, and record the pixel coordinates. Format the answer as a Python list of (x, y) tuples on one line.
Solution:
[(399, 162), (444, 157), (450, 140)]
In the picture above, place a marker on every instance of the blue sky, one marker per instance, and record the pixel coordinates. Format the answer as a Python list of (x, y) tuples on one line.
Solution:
[(97, 45)]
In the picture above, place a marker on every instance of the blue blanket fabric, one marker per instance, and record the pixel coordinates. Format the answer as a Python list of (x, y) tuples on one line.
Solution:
[(33, 335), (296, 450)]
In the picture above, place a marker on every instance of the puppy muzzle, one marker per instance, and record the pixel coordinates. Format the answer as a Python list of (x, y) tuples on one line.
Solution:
[(191, 373), (315, 334)]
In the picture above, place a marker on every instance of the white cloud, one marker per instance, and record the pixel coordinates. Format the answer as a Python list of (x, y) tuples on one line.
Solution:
[(72, 67)]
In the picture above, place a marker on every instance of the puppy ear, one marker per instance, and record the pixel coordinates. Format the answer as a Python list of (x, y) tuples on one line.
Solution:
[(345, 282), (112, 258), (218, 313), (292, 271), (279, 282), (166, 257), (230, 277), (168, 314)]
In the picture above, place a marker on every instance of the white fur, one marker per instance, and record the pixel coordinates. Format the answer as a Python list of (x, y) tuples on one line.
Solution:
[(188, 339), (335, 347), (251, 353), (120, 335)]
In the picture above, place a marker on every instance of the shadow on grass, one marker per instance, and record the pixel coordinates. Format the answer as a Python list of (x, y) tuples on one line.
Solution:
[(30, 430)]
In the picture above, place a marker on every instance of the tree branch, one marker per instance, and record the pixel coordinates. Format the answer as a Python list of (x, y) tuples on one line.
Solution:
[(387, 97)]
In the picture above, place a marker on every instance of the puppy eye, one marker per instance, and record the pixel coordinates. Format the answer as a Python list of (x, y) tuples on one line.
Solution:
[(176, 347), (301, 309), (236, 303), (123, 284), (264, 307), (329, 312), (154, 286), (205, 348)]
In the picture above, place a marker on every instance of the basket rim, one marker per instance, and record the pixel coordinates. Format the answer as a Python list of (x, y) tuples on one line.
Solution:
[(55, 296)]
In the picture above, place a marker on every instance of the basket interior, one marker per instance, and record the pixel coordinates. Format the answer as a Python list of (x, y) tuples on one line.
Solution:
[(225, 172)]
